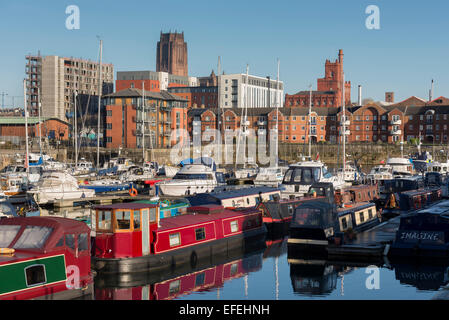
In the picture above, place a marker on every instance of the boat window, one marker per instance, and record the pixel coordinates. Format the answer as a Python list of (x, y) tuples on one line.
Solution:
[(60, 243), (234, 226), (288, 175), (306, 176), (192, 176), (82, 242), (136, 219), (307, 216), (104, 220), (234, 269), (153, 215), (200, 234), (70, 241), (316, 174), (290, 209), (344, 223), (247, 200), (362, 216), (174, 287), (297, 175), (370, 214), (35, 275), (326, 174), (199, 279), (123, 220), (175, 239), (33, 237), (7, 235)]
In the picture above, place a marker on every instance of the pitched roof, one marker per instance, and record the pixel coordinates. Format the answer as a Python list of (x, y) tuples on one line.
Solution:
[(135, 92), (412, 101)]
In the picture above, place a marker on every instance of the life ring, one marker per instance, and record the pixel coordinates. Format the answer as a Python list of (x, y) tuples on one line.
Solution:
[(133, 192), (7, 251)]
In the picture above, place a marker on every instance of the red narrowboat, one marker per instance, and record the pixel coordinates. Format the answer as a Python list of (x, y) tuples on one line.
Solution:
[(45, 258), (130, 237)]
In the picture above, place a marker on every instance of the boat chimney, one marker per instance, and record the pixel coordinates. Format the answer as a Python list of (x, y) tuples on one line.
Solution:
[(360, 96), (431, 92)]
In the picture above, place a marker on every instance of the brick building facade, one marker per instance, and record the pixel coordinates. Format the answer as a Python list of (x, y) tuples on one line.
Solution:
[(329, 88), (127, 121)]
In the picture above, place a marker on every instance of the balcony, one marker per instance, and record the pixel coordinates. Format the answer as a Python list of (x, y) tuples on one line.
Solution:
[(345, 123), (261, 123), (396, 122), (196, 123), (395, 132), (261, 132)]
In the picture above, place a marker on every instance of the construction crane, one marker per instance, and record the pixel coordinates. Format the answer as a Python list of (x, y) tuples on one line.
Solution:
[(3, 94)]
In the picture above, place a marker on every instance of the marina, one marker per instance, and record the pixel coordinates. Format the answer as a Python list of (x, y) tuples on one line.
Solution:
[(221, 173)]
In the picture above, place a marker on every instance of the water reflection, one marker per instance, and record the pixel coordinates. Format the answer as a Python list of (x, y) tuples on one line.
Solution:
[(430, 276), (178, 283)]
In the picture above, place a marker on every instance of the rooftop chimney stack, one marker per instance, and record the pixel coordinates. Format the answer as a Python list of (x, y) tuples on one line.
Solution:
[(431, 92), (389, 97), (360, 96)]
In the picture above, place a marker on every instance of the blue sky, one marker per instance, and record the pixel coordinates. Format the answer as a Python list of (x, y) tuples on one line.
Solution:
[(409, 50)]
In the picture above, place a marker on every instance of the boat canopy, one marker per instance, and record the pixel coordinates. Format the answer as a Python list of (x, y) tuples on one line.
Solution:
[(202, 160), (42, 234), (316, 214)]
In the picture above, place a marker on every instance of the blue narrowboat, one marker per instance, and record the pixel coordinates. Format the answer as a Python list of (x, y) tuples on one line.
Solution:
[(402, 200), (424, 233), (316, 225)]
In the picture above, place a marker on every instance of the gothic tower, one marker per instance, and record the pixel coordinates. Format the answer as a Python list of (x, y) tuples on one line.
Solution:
[(172, 54)]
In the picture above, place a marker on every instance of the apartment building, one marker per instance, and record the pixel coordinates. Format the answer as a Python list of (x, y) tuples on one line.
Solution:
[(57, 78)]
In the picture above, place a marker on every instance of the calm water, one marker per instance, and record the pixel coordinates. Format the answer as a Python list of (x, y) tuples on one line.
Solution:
[(267, 275)]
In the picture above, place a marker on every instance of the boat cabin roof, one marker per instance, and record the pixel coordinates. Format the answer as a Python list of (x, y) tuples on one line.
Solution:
[(215, 197), (130, 206), (201, 214), (357, 207), (39, 234)]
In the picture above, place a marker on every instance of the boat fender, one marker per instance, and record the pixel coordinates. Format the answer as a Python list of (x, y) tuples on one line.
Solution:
[(193, 259), (7, 251), (133, 192)]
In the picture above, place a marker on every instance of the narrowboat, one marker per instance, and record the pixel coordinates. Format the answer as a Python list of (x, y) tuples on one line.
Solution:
[(44, 258), (399, 201), (316, 225), (424, 233), (277, 214), (236, 197), (131, 237)]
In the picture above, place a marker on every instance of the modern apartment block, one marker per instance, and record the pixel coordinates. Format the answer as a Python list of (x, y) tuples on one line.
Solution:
[(236, 91), (57, 79), (152, 80)]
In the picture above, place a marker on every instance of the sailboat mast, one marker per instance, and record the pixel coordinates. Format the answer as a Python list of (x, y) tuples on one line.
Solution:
[(310, 123), (277, 116), (76, 131), (40, 123), (143, 122), (27, 164), (344, 123), (99, 106)]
